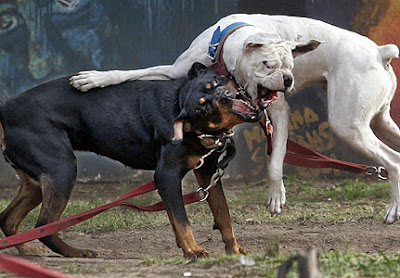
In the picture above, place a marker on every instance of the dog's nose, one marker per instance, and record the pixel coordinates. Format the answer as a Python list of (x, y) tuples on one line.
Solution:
[(287, 80)]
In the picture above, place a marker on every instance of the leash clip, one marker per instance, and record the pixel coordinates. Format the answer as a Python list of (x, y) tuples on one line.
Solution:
[(214, 179), (380, 172)]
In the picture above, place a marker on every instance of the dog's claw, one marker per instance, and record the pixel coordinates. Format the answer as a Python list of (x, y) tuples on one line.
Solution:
[(193, 256)]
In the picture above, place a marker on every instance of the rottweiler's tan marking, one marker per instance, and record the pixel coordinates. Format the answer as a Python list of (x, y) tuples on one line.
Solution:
[(28, 197), (185, 239), (219, 208)]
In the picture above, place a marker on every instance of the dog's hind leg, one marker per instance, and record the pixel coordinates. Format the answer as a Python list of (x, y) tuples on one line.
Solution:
[(351, 121), (28, 197), (56, 190), (385, 128), (362, 139), (219, 208)]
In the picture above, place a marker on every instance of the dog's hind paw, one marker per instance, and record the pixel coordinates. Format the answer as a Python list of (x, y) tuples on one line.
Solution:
[(276, 196), (81, 253), (393, 213)]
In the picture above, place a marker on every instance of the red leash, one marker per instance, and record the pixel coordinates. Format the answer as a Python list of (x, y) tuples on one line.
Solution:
[(302, 156), (63, 224), (25, 268)]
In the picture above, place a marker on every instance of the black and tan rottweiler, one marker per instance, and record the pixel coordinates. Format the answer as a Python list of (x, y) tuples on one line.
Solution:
[(142, 124)]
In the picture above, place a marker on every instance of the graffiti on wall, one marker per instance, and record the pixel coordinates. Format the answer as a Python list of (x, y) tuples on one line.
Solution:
[(44, 39), (40, 40), (305, 127)]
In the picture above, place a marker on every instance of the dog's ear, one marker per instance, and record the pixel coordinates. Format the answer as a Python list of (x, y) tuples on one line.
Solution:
[(177, 135), (196, 69), (388, 52), (257, 40), (301, 48)]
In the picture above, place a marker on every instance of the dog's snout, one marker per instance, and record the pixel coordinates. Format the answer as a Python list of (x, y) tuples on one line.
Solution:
[(287, 80)]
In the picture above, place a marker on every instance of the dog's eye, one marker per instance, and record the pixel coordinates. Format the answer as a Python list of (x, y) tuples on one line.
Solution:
[(211, 85), (267, 65)]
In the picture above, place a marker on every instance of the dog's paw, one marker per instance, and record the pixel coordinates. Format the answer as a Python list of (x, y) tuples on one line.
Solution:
[(276, 196), (197, 254), (86, 80), (236, 249), (393, 213), (80, 253), (233, 247)]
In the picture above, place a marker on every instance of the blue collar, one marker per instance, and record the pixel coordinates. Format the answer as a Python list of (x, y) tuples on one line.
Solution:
[(217, 36)]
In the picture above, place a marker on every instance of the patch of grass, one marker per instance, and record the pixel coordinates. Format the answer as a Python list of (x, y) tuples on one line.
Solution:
[(333, 264), (344, 200), (343, 190), (91, 269)]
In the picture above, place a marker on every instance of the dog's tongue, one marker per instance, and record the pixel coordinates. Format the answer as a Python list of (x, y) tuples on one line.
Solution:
[(240, 107), (266, 96), (268, 100)]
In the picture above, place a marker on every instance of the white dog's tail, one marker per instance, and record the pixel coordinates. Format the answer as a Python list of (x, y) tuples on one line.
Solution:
[(388, 52)]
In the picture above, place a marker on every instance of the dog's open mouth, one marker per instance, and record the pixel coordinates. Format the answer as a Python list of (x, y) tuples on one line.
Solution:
[(242, 106), (265, 96)]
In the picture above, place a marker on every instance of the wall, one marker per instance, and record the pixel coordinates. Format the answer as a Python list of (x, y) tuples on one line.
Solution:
[(44, 39)]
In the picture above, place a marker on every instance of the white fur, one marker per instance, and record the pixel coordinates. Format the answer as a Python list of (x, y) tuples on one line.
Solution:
[(360, 86)]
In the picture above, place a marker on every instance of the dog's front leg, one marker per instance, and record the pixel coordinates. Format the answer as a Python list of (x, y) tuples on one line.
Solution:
[(219, 208), (279, 116), (168, 177)]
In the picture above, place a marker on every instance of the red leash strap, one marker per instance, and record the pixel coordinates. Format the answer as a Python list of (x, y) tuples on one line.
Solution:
[(25, 268), (67, 222), (302, 156)]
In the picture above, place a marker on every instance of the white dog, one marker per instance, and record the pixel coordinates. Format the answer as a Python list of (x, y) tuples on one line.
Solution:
[(357, 73)]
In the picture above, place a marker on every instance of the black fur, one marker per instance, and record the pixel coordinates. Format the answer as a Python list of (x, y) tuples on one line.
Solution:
[(131, 123)]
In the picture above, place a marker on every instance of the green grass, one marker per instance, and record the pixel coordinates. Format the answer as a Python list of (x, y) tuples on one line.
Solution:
[(333, 264), (346, 200), (335, 201)]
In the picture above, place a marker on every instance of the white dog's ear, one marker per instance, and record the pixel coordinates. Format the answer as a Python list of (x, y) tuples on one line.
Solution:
[(300, 48), (257, 40), (388, 52)]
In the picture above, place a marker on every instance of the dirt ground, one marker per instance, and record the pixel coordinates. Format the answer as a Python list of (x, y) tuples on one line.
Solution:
[(121, 253)]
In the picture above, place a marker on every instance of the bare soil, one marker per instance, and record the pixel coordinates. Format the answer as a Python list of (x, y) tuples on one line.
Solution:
[(121, 253)]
